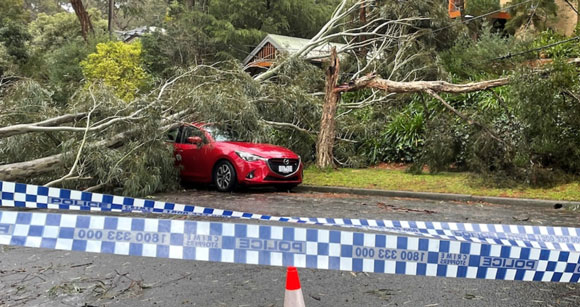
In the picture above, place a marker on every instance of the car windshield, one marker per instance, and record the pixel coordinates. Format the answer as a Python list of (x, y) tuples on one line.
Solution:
[(218, 134)]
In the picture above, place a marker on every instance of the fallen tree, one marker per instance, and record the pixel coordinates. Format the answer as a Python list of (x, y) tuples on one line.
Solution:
[(373, 41), (326, 136), (100, 141)]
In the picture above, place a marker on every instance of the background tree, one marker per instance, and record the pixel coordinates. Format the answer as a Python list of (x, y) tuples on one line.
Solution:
[(13, 35), (49, 7), (57, 48), (83, 16), (530, 13)]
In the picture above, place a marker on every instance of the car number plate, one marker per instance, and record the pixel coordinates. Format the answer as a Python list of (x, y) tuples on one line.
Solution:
[(285, 168)]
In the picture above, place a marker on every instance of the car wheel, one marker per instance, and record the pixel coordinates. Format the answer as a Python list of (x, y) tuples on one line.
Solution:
[(224, 176), (285, 187)]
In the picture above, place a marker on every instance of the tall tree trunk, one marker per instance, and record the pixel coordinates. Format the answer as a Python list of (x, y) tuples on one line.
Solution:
[(325, 143), (110, 21), (363, 20), (83, 17)]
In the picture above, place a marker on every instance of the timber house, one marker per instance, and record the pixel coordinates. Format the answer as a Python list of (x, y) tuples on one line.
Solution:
[(264, 55)]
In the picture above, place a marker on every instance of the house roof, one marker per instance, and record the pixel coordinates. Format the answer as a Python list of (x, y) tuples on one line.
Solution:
[(291, 45)]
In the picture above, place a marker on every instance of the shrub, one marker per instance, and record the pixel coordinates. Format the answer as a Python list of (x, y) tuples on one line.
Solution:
[(119, 65)]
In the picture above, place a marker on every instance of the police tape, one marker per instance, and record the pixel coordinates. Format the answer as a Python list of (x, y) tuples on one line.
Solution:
[(544, 237), (285, 246)]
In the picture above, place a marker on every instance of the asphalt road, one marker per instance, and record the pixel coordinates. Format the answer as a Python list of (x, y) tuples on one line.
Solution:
[(38, 277)]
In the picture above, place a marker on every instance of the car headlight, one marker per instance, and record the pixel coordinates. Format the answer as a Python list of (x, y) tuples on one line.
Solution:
[(249, 157)]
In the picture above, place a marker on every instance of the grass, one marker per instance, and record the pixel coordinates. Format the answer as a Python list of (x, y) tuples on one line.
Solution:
[(460, 183)]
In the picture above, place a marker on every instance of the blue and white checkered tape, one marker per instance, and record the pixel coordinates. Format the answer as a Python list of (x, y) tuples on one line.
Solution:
[(285, 246), (544, 237)]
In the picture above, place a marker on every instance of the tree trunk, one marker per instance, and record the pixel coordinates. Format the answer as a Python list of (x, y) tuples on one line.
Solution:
[(110, 19), (363, 20), (83, 17), (30, 169), (37, 167), (325, 143)]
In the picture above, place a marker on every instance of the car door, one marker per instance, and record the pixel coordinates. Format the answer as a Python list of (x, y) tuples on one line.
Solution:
[(192, 157)]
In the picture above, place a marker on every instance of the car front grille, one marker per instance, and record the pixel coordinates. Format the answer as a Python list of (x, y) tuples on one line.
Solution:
[(284, 167)]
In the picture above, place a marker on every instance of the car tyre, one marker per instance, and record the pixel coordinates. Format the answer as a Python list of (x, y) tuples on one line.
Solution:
[(224, 176)]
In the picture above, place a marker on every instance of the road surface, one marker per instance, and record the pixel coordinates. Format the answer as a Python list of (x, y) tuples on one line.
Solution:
[(40, 277)]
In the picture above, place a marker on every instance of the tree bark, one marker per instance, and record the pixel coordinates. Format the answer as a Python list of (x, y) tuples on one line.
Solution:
[(363, 20), (83, 17), (51, 122), (110, 18), (325, 143), (373, 81), (30, 169)]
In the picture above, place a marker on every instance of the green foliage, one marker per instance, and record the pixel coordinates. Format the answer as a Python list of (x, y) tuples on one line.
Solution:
[(540, 128), (480, 7), (405, 133), (142, 166), (13, 11), (36, 7), (65, 73), (6, 62), (190, 38), (24, 102), (550, 112), (53, 31), (57, 48), (14, 37), (429, 36), (566, 50), (536, 13), (400, 138), (225, 30), (299, 18), (119, 65), (473, 59), (130, 14), (441, 146), (435, 30), (536, 117)]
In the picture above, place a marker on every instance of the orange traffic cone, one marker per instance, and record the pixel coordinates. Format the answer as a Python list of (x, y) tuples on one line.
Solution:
[(293, 296)]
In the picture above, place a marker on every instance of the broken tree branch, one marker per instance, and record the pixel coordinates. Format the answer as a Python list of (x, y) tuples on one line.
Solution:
[(374, 81), (51, 122), (83, 142), (376, 30)]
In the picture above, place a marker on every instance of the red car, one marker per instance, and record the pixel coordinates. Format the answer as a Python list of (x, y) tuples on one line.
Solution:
[(207, 154)]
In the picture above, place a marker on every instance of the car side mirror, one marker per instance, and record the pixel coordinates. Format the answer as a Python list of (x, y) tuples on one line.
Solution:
[(194, 140)]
